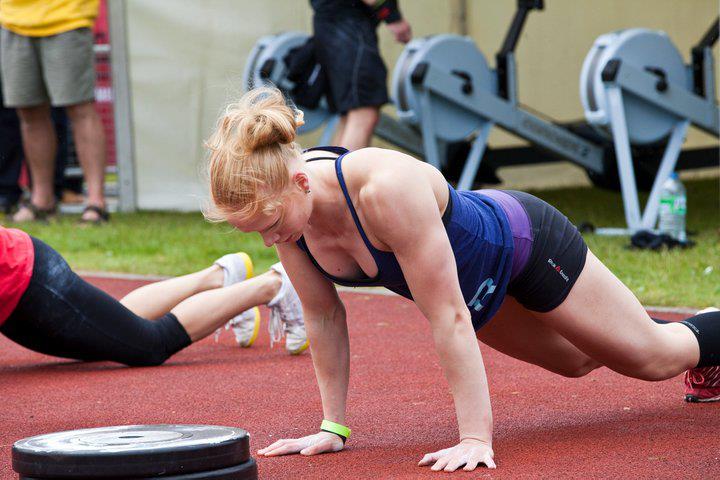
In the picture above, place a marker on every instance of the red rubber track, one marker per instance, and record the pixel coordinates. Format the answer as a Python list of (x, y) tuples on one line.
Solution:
[(600, 426)]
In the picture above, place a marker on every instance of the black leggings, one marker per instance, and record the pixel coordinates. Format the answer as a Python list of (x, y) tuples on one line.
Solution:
[(60, 314)]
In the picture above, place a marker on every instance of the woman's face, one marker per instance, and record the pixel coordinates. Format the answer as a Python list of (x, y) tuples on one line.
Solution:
[(286, 224)]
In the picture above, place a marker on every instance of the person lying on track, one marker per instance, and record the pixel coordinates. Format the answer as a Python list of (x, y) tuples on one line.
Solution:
[(503, 267), (48, 308)]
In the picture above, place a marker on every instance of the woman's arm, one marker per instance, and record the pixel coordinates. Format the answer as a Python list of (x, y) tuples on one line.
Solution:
[(324, 316), (407, 220)]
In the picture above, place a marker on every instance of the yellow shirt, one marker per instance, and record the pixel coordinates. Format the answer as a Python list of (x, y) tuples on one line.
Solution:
[(42, 18)]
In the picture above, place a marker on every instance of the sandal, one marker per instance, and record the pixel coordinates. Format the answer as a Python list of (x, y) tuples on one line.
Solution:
[(103, 216), (41, 215)]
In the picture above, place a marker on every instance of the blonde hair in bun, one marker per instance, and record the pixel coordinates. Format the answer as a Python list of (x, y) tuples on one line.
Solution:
[(253, 142)]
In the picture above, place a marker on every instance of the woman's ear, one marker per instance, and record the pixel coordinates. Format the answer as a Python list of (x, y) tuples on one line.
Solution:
[(299, 118), (301, 180)]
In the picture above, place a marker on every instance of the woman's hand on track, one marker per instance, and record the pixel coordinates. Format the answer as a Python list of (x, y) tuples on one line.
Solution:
[(469, 452), (321, 442)]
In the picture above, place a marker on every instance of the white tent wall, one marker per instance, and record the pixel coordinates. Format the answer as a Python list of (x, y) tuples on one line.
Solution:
[(186, 59), (185, 62)]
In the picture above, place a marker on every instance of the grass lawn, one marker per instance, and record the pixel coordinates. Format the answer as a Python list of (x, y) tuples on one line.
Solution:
[(689, 277), (160, 243)]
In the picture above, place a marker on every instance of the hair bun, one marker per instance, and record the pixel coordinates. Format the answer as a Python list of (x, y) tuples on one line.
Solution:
[(263, 119), (250, 150)]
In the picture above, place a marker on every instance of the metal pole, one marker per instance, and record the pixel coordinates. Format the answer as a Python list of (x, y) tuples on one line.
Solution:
[(122, 107), (461, 17)]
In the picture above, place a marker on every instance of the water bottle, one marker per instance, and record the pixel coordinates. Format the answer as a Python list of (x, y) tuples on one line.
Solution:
[(673, 208)]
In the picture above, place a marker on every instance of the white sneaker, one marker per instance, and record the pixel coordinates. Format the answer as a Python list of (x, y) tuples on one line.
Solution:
[(286, 316), (246, 327), (236, 268)]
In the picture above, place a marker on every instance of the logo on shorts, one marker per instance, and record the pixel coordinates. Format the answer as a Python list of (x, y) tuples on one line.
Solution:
[(558, 269), (488, 287)]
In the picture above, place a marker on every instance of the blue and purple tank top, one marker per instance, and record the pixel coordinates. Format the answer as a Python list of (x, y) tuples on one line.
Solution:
[(478, 226)]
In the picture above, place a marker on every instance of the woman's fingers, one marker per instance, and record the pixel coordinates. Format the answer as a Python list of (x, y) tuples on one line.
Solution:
[(463, 455), (489, 461), (432, 457), (282, 447), (440, 464), (427, 459), (270, 447), (477, 457), (457, 460), (325, 445), (309, 445), (472, 462)]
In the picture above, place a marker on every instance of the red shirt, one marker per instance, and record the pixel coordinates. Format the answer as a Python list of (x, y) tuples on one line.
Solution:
[(16, 265)]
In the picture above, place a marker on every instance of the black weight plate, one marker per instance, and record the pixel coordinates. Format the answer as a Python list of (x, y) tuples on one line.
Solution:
[(244, 471), (131, 451)]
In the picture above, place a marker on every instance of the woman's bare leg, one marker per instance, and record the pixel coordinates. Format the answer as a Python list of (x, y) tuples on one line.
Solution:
[(514, 331), (339, 130), (359, 127), (156, 299), (207, 311), (603, 319)]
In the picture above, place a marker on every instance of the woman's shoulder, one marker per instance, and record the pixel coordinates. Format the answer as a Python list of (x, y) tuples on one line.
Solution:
[(386, 179), (380, 162), (373, 153), (372, 169), (383, 167)]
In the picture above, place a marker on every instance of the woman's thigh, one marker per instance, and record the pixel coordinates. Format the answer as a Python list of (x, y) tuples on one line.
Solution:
[(516, 332), (604, 319)]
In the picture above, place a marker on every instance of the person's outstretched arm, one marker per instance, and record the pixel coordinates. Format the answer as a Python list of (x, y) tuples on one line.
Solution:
[(327, 332), (407, 220), (388, 11)]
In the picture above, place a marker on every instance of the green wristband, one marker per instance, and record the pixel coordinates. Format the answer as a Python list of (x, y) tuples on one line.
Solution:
[(340, 430)]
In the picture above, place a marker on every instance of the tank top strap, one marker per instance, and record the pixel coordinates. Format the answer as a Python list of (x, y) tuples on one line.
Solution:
[(327, 148), (343, 186)]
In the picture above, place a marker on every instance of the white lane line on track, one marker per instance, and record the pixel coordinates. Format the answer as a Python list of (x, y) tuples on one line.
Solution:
[(363, 290)]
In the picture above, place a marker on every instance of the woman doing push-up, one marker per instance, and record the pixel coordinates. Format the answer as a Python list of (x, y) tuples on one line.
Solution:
[(48, 308), (499, 266)]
